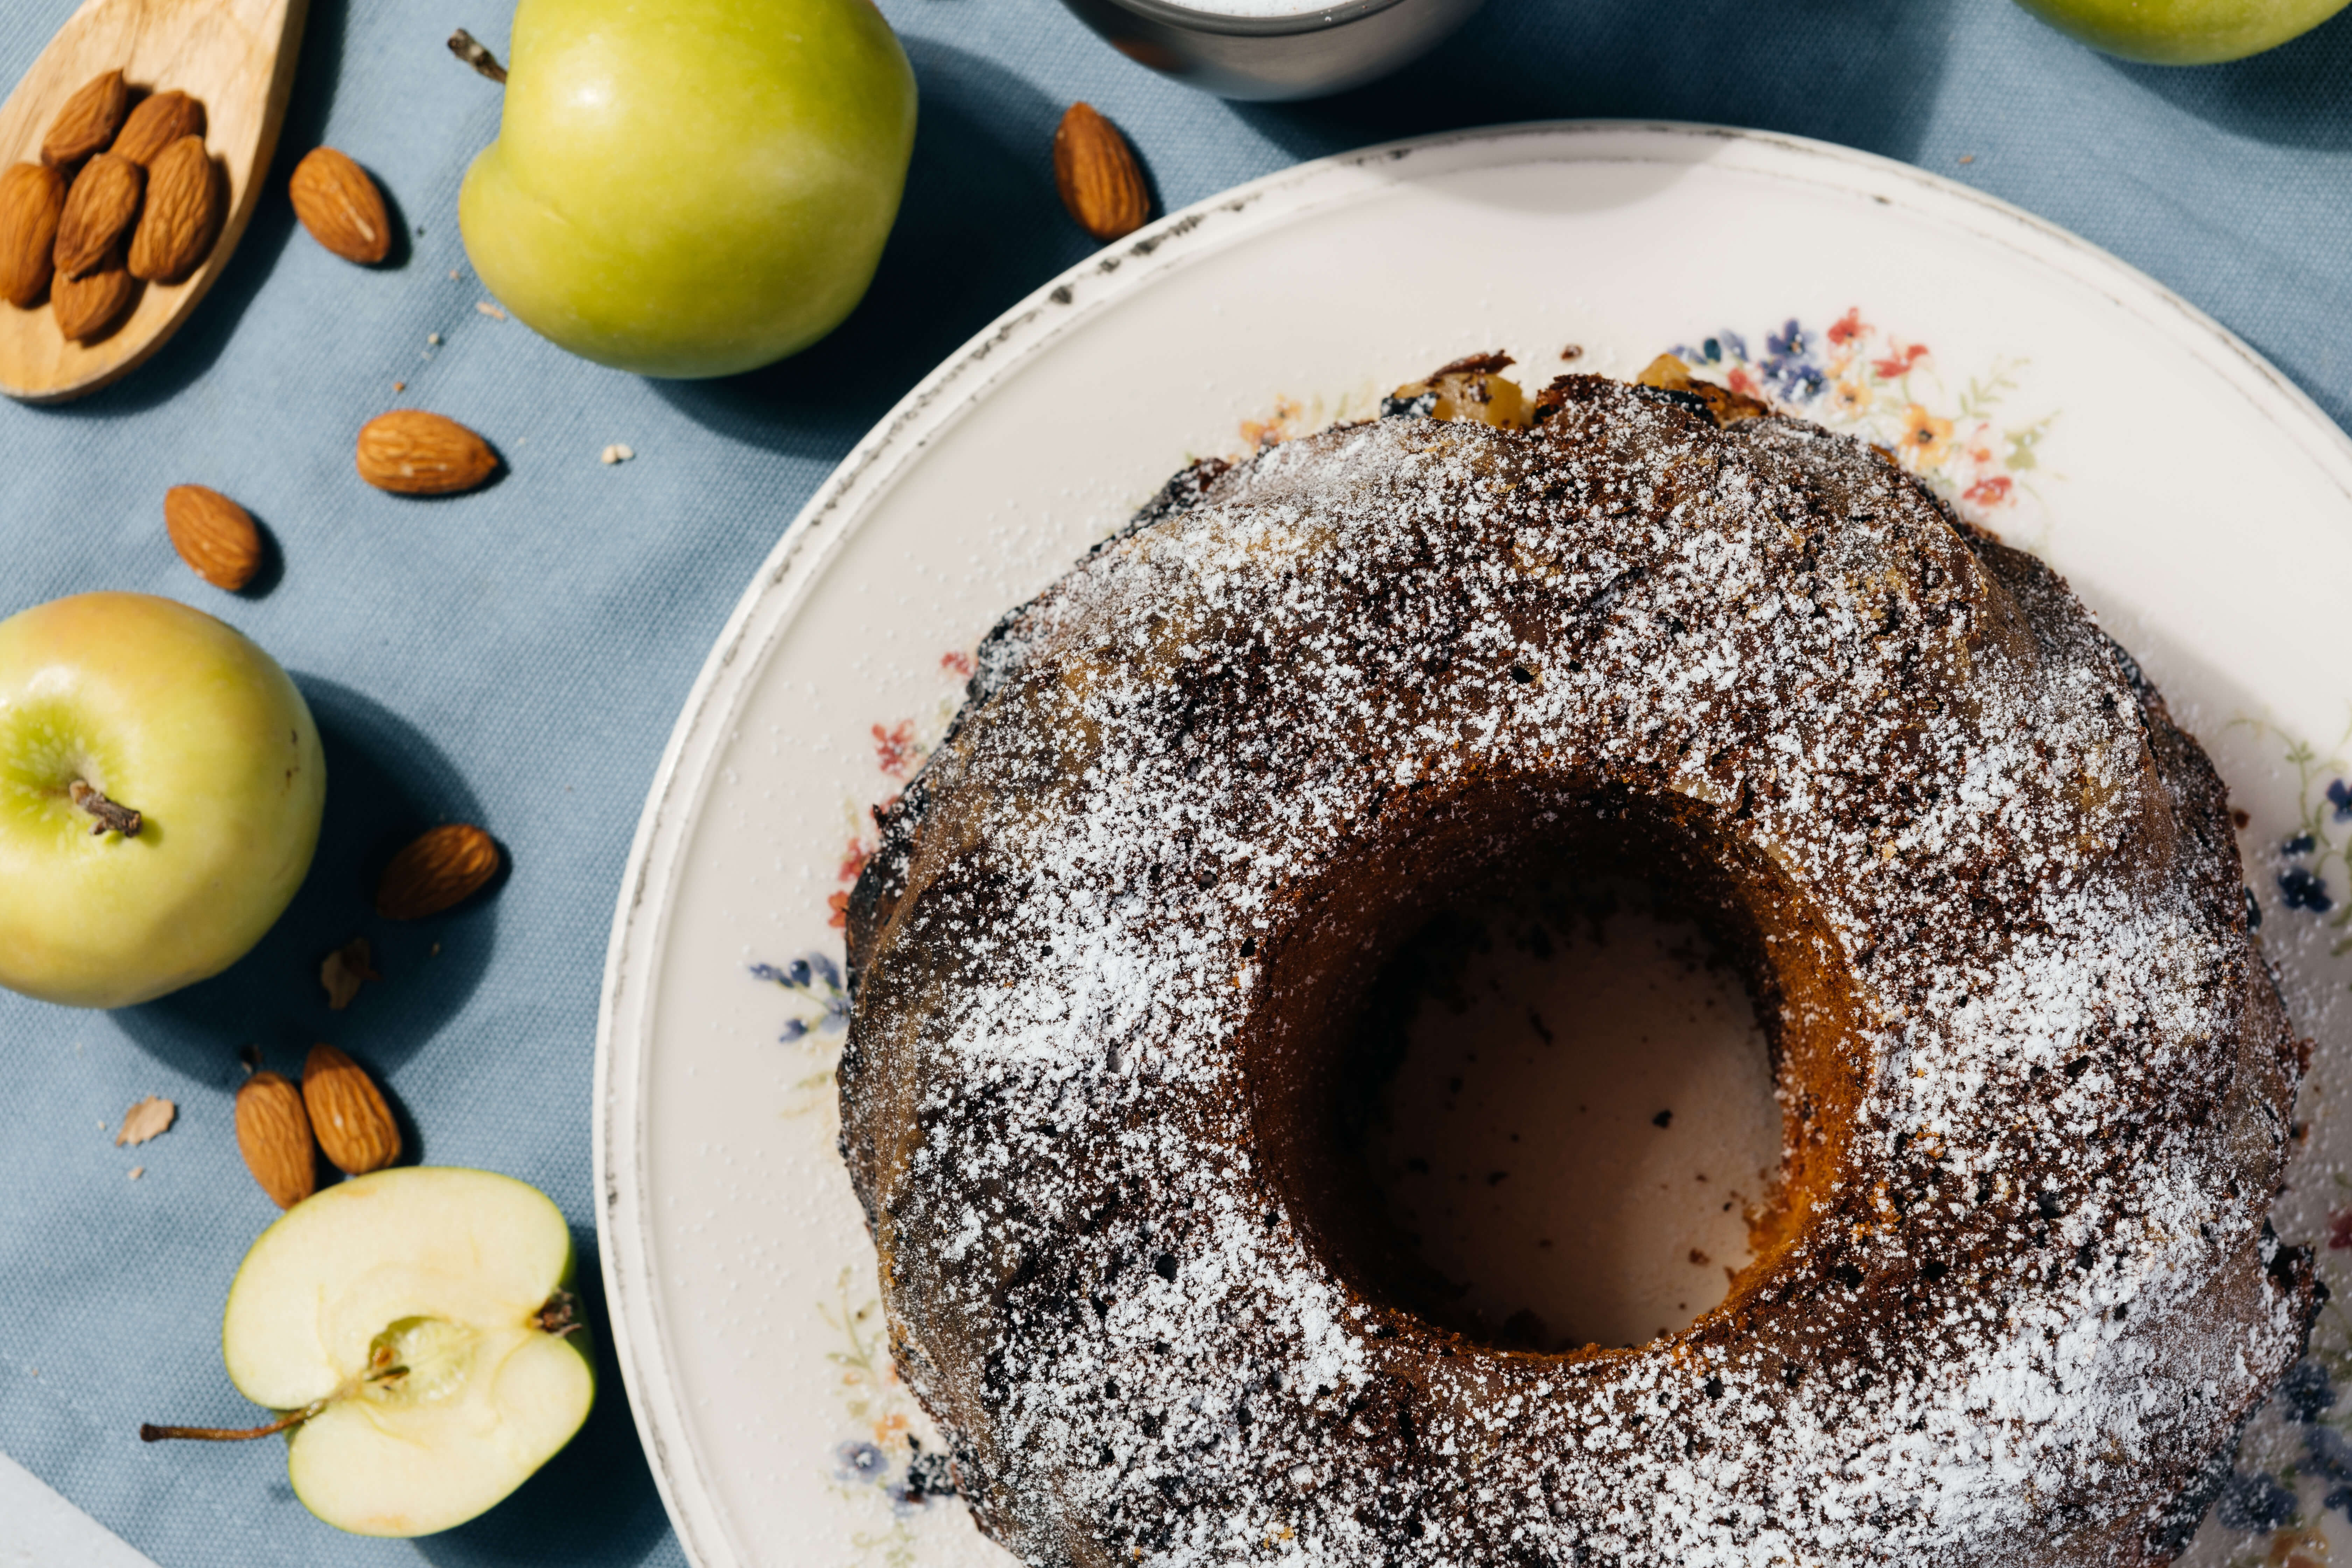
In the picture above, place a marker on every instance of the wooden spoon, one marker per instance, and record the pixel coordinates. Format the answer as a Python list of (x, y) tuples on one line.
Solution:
[(237, 58)]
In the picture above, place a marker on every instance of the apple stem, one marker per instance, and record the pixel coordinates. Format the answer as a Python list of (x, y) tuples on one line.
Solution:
[(382, 1369), (561, 1316), (111, 817), (153, 1433), (469, 48)]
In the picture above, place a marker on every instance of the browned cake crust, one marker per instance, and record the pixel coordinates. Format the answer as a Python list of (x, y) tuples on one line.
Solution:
[(2037, 1075)]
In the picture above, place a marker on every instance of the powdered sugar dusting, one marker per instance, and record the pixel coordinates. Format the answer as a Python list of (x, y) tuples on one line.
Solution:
[(2035, 1300)]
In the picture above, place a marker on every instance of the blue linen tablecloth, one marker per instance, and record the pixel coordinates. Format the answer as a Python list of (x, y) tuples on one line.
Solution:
[(517, 657)]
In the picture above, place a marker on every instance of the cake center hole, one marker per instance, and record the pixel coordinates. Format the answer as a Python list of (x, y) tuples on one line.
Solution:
[(1565, 1105)]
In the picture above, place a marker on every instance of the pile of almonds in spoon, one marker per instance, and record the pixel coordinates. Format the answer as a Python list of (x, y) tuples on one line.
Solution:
[(123, 194)]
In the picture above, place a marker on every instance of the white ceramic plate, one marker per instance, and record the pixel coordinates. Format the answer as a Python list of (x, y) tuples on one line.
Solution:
[(2197, 501)]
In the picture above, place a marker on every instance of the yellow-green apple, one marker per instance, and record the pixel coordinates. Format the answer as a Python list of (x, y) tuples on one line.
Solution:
[(161, 785), (2183, 31), (692, 188), (417, 1330)]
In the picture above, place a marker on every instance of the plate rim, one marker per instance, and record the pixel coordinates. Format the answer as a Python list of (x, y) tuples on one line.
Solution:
[(864, 475)]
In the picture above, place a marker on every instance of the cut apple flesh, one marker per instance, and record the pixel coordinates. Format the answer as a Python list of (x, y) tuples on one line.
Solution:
[(422, 1453), (413, 1306)]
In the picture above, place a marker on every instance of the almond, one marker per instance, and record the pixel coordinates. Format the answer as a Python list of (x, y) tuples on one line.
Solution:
[(156, 123), (100, 206), (438, 871), (340, 207), (87, 307), (273, 1134), (213, 534), (1100, 182), (32, 200), (88, 120), (182, 215), (413, 453), (348, 1113)]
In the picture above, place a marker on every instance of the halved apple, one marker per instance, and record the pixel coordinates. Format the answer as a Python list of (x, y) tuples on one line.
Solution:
[(417, 1328)]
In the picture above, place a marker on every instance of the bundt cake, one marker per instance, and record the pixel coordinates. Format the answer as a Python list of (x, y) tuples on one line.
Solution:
[(2036, 1075)]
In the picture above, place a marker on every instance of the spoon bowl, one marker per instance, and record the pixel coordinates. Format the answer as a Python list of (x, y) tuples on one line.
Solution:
[(236, 57)]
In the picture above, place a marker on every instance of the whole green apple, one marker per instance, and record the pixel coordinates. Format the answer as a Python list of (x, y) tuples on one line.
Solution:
[(2183, 31), (692, 188), (161, 785)]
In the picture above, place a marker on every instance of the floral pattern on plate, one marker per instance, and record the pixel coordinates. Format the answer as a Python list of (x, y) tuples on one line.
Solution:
[(1857, 378), (886, 1458), (2294, 1466), (2321, 839), (1851, 376)]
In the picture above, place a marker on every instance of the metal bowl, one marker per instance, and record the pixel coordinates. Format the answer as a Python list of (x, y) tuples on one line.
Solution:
[(1301, 56)]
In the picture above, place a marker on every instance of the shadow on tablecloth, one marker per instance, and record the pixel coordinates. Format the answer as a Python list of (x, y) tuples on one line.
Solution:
[(1859, 72), (385, 783), (982, 225), (594, 1501), (2293, 96)]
